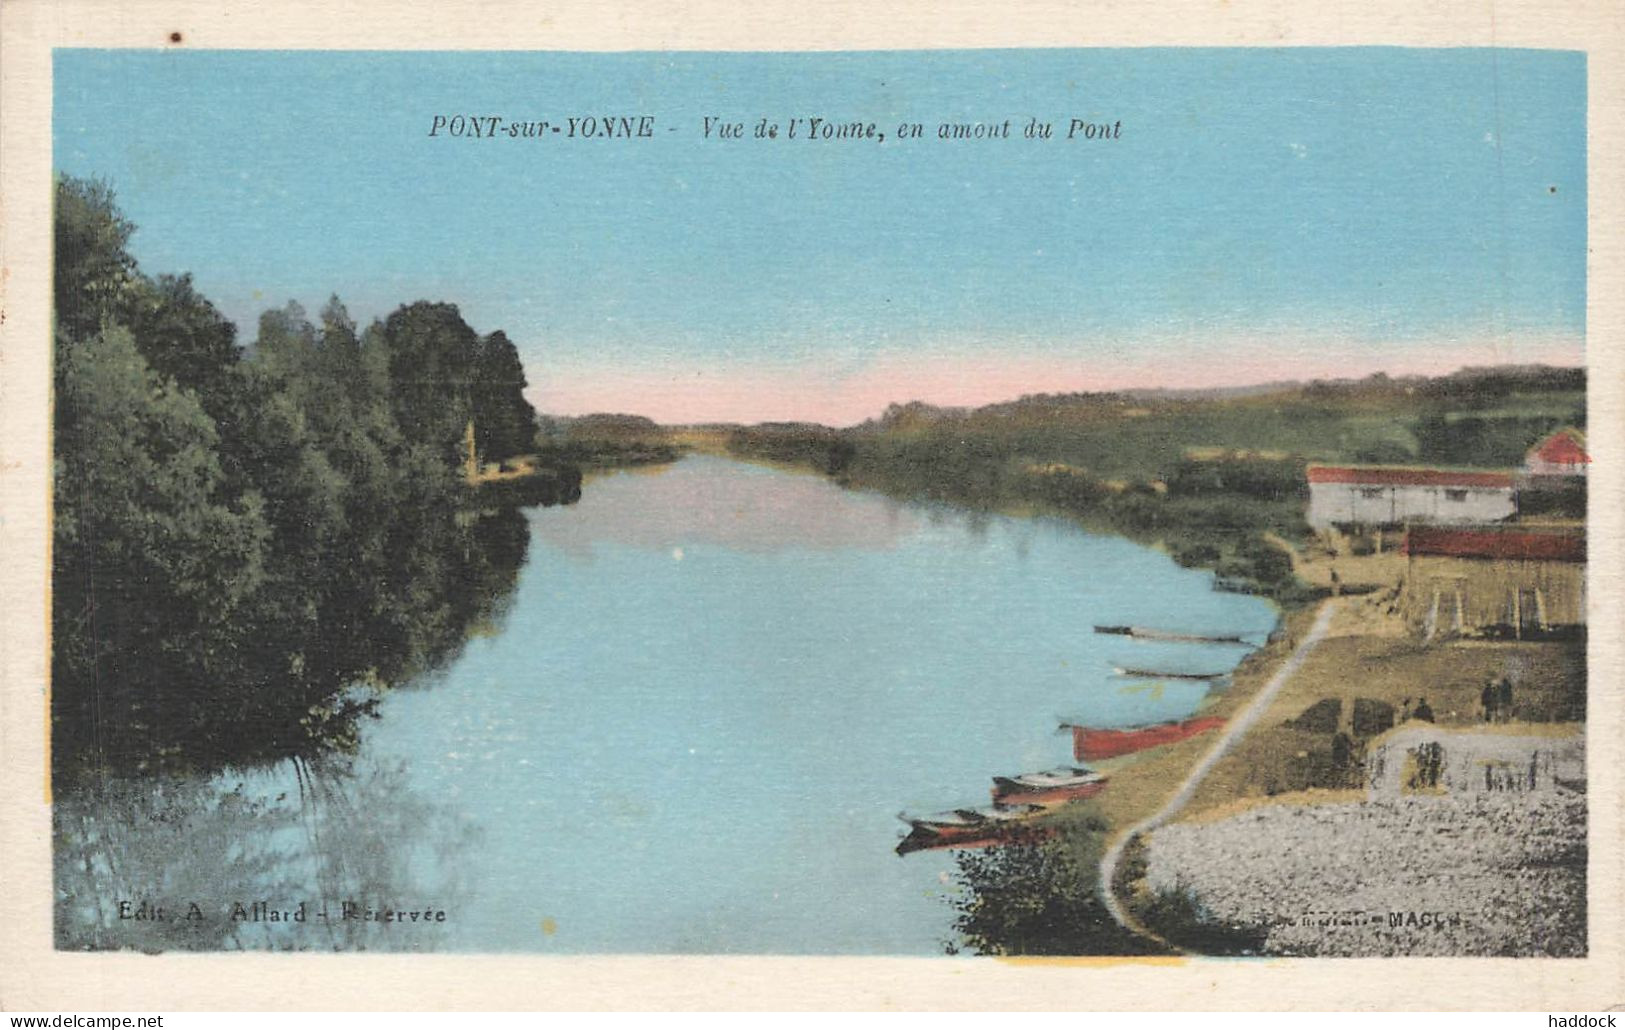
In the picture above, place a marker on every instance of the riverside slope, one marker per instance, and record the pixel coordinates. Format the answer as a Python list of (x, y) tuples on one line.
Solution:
[(1188, 786)]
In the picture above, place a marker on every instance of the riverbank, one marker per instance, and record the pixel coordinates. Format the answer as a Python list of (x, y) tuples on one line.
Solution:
[(1210, 478), (1335, 801), (1201, 518), (527, 480), (1291, 748)]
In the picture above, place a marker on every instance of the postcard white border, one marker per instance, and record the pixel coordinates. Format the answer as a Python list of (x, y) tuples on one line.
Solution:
[(34, 977)]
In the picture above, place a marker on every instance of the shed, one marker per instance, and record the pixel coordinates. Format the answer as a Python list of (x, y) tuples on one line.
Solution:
[(1390, 495), (1498, 581)]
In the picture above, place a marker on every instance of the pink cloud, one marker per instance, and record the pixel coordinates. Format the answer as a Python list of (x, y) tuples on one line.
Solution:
[(961, 374)]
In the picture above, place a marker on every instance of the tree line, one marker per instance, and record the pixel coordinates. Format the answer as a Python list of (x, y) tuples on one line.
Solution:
[(243, 533)]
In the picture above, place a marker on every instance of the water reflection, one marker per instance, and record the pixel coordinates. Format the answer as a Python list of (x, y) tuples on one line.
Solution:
[(723, 503), (299, 856), (309, 849)]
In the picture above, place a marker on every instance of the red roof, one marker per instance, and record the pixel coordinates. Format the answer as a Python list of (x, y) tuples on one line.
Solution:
[(1564, 447), (1496, 543), (1393, 475)]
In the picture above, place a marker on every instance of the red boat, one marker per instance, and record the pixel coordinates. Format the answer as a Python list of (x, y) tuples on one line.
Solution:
[(1068, 783), (1089, 745)]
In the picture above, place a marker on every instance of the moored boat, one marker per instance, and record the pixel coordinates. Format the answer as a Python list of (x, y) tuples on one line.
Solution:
[(1146, 633), (1166, 674), (1092, 745), (1066, 783), (973, 828)]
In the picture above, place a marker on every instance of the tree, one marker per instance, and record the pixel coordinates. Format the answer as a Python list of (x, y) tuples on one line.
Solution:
[(504, 421), (442, 376), (431, 353), (1038, 899), (93, 270), (153, 559), (185, 338)]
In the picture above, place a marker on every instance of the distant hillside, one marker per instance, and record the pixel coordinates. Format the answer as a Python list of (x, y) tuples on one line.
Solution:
[(1488, 380), (1465, 390)]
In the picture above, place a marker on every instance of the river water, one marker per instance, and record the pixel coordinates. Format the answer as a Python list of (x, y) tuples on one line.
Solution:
[(691, 730)]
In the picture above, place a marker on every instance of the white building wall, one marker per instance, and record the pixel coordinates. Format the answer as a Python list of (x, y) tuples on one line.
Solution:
[(1335, 503), (1539, 467)]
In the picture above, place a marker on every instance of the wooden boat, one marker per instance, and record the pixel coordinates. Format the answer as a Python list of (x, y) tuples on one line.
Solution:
[(973, 828), (1066, 783), (959, 817), (1166, 674), (1143, 633), (1092, 745)]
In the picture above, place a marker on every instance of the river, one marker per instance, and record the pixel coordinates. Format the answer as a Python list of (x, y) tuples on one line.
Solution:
[(689, 730)]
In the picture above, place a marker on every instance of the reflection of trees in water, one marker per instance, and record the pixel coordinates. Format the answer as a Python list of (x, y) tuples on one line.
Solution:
[(382, 627), (323, 826), (469, 597), (319, 832)]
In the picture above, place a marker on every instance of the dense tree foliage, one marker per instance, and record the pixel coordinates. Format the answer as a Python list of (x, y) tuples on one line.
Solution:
[(606, 440), (505, 424), (798, 443), (1471, 440), (1038, 899), (242, 535)]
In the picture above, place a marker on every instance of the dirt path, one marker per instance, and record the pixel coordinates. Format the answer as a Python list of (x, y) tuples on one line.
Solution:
[(1239, 725)]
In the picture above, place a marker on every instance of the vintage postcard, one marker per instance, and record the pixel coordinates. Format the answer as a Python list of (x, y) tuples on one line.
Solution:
[(945, 502)]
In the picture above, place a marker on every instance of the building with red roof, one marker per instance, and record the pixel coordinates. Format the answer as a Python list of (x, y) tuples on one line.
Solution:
[(1342, 496), (1510, 543), (1514, 581), (1561, 454)]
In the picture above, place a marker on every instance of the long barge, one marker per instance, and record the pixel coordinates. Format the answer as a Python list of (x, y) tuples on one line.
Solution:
[(1144, 633)]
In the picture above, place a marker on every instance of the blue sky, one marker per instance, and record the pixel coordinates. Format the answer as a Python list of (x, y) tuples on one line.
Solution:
[(1264, 213)]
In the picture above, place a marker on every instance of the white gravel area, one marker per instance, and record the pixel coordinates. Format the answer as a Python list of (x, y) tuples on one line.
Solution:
[(1473, 874)]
